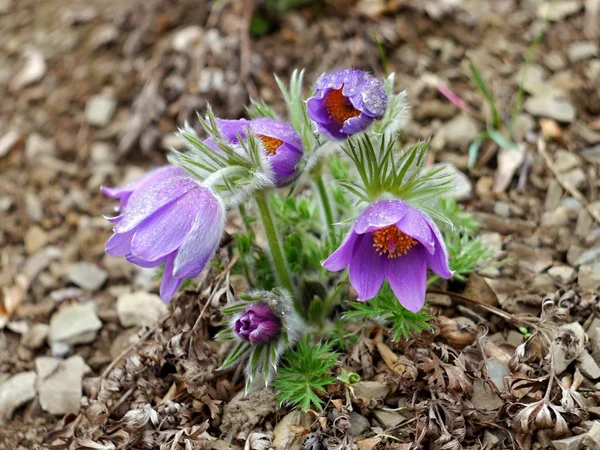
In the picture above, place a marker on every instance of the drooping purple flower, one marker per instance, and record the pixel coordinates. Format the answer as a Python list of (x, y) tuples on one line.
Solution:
[(394, 241), (257, 324), (174, 221), (346, 102), (124, 193), (281, 142)]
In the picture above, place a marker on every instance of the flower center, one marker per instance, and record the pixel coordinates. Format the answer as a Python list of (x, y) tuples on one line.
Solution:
[(271, 144), (391, 241), (339, 107)]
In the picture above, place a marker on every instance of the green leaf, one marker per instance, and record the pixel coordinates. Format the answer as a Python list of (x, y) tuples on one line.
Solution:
[(477, 79), (259, 26), (238, 352), (502, 141), (474, 149)]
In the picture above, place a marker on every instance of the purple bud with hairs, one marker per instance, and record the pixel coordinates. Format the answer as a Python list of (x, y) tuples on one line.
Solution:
[(257, 324)]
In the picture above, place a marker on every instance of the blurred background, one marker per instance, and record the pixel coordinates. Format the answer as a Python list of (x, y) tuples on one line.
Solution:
[(92, 92)]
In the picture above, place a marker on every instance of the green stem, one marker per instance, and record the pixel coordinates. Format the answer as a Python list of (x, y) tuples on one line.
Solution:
[(274, 243), (330, 301), (325, 200)]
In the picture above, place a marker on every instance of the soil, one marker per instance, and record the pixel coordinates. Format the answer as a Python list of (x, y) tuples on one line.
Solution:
[(154, 63)]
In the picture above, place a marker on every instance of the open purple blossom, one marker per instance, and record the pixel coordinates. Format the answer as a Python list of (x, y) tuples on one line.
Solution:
[(171, 220), (124, 193), (346, 102), (394, 241), (257, 324), (279, 139)]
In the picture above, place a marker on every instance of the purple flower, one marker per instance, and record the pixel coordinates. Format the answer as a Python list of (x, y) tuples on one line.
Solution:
[(395, 241), (346, 102), (281, 142), (155, 176), (257, 324), (173, 221)]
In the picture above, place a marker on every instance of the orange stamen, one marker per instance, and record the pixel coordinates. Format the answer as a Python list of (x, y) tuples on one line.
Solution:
[(271, 144), (339, 107), (392, 242)]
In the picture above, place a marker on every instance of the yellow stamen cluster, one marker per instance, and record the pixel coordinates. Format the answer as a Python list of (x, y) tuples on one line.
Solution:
[(271, 144), (339, 107), (392, 242)]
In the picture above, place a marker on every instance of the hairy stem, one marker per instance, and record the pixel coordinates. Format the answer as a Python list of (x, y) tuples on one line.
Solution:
[(274, 242), (326, 203)]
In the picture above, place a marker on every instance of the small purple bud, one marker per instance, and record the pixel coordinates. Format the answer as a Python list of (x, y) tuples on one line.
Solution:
[(258, 324)]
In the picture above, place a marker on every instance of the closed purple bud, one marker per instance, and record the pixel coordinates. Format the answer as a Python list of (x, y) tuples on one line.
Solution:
[(282, 144), (257, 324), (174, 221), (346, 102), (394, 241)]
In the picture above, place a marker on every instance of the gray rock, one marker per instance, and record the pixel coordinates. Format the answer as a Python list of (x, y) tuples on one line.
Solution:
[(572, 443), (87, 275), (562, 274), (33, 70), (594, 337), (460, 131), (578, 51), (358, 424), (14, 392), (8, 142), (565, 160), (592, 153), (100, 109), (35, 238), (592, 438), (556, 218), (188, 37), (502, 209), (553, 196), (33, 207), (101, 152), (589, 276), (484, 398), (555, 61), (462, 186), (59, 349), (557, 11), (60, 384), (552, 107), (389, 419), (498, 372), (589, 256), (568, 345), (140, 309), (588, 366), (5, 6), (37, 145), (533, 80), (75, 324), (104, 35), (373, 390), (36, 336), (575, 177), (584, 224)]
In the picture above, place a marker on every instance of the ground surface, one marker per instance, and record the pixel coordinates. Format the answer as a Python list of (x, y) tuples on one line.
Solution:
[(91, 93)]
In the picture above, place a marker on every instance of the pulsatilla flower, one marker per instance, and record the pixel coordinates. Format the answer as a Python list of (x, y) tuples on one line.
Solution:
[(280, 141), (257, 324), (395, 241), (346, 102), (170, 219)]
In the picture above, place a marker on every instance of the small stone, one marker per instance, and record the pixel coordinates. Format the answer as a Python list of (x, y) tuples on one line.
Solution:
[(59, 349), (101, 152), (575, 177), (460, 131), (556, 218), (187, 38), (75, 324), (462, 186), (594, 336), (502, 209), (592, 153), (87, 275), (588, 366), (100, 109), (439, 299), (524, 124), (283, 437), (592, 438), (584, 224), (558, 11), (5, 6), (372, 390), (589, 277), (484, 397), (589, 256), (358, 424), (14, 392), (140, 309), (563, 275), (565, 160), (389, 419), (103, 36), (514, 338), (572, 443), (553, 196), (8, 142), (555, 61), (578, 51), (35, 238), (60, 384), (37, 145), (33, 207), (36, 336), (568, 345), (552, 107), (33, 70)]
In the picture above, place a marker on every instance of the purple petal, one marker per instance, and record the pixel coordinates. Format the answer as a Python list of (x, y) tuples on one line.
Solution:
[(374, 98), (379, 215), (277, 129), (265, 332), (366, 269), (231, 129), (151, 200), (340, 259), (414, 224), (164, 231), (203, 240), (143, 263), (438, 261), (357, 124), (119, 244), (284, 162), (169, 283), (315, 108), (407, 275)]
